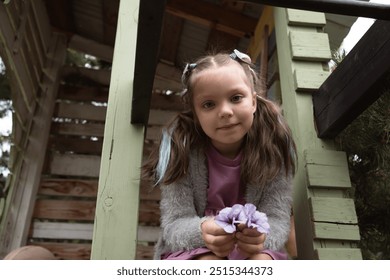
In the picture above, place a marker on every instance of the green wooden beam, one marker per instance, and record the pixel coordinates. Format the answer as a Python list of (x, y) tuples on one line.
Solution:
[(336, 231), (333, 210), (318, 159), (338, 254), (116, 220), (327, 169)]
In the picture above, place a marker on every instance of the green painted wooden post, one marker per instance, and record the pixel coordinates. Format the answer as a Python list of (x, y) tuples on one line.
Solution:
[(325, 219), (116, 220)]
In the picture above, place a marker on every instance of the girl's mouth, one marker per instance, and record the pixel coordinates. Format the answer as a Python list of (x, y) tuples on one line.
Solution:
[(228, 126)]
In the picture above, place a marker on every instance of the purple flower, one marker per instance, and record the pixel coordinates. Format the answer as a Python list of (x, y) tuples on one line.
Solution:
[(256, 219), (229, 217)]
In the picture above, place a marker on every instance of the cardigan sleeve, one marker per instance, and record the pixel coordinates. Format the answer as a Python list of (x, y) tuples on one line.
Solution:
[(276, 202), (180, 223)]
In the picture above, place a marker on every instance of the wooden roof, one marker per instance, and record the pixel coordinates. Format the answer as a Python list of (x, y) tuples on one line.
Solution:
[(171, 32)]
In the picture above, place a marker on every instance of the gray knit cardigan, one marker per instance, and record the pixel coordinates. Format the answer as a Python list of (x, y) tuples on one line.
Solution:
[(183, 204)]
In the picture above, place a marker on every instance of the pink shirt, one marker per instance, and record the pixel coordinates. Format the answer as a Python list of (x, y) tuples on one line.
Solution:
[(225, 188)]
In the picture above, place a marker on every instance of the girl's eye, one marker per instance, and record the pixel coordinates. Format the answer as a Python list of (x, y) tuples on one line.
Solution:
[(236, 98), (207, 105)]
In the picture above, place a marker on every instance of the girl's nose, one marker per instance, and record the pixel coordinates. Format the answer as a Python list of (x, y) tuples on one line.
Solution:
[(225, 111)]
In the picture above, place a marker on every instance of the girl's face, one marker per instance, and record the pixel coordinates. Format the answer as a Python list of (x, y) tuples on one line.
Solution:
[(224, 104)]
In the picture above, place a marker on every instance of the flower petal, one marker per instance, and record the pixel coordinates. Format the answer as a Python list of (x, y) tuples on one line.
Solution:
[(227, 227), (260, 222), (250, 209), (225, 219)]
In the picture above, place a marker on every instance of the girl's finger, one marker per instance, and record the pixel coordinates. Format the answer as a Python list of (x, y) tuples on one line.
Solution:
[(251, 237)]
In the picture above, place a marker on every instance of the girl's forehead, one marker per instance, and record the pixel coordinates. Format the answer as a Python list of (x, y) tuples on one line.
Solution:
[(220, 74)]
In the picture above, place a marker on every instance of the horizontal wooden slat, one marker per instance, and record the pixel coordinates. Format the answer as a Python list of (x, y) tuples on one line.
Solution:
[(78, 93), (167, 77), (82, 251), (333, 210), (50, 230), (69, 187), (328, 176), (164, 102), (80, 111), (75, 144), (88, 129), (83, 231), (148, 234), (309, 81), (326, 168), (87, 188), (65, 210), (67, 251), (153, 133), (149, 211), (326, 157), (160, 117), (97, 129), (338, 254), (305, 18), (149, 193), (310, 46), (100, 76), (98, 113), (75, 165), (336, 231)]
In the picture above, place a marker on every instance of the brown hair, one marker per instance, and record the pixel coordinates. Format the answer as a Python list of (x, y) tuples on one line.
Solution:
[(267, 150)]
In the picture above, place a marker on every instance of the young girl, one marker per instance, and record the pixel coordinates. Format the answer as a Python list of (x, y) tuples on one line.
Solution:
[(231, 146)]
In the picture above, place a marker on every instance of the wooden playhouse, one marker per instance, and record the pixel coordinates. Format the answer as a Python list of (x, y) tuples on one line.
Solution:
[(80, 133)]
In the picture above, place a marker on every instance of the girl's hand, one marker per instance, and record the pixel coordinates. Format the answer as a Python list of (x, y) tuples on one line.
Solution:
[(250, 241), (216, 239)]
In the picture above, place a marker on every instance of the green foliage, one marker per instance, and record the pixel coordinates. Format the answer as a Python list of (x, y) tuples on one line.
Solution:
[(367, 143), (5, 107), (337, 57), (78, 59), (5, 139), (5, 90)]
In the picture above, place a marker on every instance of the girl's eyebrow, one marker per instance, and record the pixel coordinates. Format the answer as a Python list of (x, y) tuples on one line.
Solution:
[(204, 98)]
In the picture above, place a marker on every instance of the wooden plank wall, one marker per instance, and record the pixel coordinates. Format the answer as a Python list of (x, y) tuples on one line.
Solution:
[(33, 55), (65, 207)]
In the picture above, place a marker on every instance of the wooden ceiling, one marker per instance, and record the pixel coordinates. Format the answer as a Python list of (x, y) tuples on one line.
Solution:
[(96, 20), (170, 33)]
